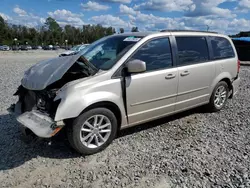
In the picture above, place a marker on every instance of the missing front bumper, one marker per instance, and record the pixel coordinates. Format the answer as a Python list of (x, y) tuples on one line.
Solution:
[(40, 124)]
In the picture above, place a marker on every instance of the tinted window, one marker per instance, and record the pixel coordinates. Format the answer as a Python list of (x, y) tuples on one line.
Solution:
[(156, 54), (221, 48), (192, 50)]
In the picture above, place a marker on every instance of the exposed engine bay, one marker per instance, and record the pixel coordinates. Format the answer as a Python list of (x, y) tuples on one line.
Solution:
[(36, 107), (43, 100)]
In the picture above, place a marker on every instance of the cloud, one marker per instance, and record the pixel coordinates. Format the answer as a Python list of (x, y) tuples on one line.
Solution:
[(22, 17), (243, 6), (191, 8), (94, 6), (64, 17), (127, 10), (19, 11), (109, 20), (209, 7), (195, 14), (165, 5), (151, 22), (117, 1), (6, 17), (30, 20), (62, 14)]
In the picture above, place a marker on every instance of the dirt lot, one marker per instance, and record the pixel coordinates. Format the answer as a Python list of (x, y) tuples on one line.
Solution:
[(192, 149)]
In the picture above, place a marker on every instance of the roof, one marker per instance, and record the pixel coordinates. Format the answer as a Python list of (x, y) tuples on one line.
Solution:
[(195, 31), (247, 39), (143, 34), (136, 34)]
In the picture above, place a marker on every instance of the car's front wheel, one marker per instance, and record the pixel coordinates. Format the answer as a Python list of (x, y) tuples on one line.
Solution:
[(92, 131)]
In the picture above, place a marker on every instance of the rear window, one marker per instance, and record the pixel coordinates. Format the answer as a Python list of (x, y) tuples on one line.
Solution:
[(222, 48), (192, 50)]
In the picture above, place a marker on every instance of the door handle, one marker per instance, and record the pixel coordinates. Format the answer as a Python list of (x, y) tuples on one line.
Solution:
[(170, 76), (185, 73)]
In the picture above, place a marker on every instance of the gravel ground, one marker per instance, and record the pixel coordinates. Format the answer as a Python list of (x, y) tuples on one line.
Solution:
[(192, 149)]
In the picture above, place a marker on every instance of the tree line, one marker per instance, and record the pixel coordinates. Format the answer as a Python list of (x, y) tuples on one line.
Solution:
[(241, 34), (51, 33)]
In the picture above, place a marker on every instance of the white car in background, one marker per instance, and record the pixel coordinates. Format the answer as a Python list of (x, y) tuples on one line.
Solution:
[(29, 47), (77, 48), (4, 48)]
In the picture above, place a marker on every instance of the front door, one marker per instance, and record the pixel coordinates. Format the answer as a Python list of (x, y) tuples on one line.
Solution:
[(152, 94)]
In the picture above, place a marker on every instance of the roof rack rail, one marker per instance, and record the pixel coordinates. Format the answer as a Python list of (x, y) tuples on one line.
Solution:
[(169, 30)]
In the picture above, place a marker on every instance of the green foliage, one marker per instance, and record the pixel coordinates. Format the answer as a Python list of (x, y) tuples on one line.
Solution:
[(52, 25), (134, 29), (3, 27), (51, 33), (241, 34), (121, 30)]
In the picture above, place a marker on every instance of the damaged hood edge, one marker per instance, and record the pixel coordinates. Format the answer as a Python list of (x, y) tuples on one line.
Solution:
[(44, 73)]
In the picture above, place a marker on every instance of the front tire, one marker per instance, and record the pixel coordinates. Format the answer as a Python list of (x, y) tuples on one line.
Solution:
[(219, 97), (92, 131)]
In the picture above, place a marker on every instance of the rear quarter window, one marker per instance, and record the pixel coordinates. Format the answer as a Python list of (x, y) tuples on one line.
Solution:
[(221, 48)]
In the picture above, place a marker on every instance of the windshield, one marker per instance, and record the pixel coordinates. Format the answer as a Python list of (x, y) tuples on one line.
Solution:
[(104, 53)]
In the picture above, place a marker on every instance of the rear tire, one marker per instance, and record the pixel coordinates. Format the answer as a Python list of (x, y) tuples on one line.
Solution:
[(219, 97), (92, 131)]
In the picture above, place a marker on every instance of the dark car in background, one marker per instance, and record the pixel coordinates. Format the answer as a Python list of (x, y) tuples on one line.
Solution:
[(56, 47), (48, 47), (15, 48), (24, 48), (36, 47)]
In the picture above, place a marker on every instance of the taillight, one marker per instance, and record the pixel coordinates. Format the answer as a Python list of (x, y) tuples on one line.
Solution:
[(238, 66)]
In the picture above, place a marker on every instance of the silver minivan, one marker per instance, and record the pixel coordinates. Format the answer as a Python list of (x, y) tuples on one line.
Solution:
[(124, 80)]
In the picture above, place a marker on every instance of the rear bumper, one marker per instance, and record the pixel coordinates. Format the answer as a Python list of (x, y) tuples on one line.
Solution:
[(236, 84)]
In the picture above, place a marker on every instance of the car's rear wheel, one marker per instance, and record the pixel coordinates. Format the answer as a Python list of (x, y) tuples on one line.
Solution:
[(219, 96), (93, 131)]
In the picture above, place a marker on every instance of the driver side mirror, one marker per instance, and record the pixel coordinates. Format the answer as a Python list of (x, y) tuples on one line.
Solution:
[(136, 66)]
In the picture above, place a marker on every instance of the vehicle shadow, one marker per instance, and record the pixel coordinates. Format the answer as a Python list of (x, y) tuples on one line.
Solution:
[(14, 152), (161, 121)]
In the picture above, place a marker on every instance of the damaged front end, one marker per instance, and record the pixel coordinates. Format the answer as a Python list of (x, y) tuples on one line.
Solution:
[(36, 107), (35, 110)]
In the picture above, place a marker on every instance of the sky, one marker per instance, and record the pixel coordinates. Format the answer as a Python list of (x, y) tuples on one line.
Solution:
[(224, 16)]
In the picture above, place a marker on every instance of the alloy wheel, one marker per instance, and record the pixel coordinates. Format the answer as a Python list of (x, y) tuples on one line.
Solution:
[(220, 96), (95, 131)]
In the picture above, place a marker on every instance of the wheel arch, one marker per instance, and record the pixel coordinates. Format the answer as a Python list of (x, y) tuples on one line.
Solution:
[(230, 86), (222, 77), (109, 105)]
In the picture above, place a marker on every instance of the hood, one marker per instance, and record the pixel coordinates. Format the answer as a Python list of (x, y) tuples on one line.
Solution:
[(68, 52), (85, 81), (44, 73)]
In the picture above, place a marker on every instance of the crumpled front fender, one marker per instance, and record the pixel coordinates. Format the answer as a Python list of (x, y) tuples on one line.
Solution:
[(72, 105)]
